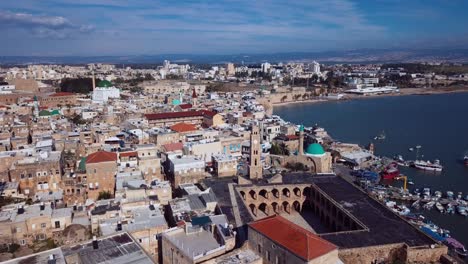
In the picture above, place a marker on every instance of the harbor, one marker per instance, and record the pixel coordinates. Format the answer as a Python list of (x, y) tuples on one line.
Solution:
[(438, 196)]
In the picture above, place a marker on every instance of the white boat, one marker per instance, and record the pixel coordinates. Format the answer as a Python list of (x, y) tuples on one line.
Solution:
[(333, 96), (429, 205), (439, 207), (428, 166)]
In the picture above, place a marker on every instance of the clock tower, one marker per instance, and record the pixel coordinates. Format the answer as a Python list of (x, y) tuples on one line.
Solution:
[(255, 165)]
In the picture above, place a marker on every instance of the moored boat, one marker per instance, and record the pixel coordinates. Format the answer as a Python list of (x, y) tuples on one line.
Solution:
[(390, 172), (428, 166)]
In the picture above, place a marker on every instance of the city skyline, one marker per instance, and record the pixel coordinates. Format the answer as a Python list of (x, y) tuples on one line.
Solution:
[(90, 28)]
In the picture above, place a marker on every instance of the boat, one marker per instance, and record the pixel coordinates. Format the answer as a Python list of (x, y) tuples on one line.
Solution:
[(465, 160), (381, 136), (449, 194), (458, 247), (462, 210), (429, 205), (390, 172), (440, 207), (428, 166), (431, 233), (411, 149)]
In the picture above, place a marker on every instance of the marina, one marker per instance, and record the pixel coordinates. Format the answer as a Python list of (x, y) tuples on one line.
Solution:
[(412, 140)]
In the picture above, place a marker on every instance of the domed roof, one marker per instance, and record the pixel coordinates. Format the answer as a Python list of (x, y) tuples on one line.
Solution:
[(315, 149), (105, 83)]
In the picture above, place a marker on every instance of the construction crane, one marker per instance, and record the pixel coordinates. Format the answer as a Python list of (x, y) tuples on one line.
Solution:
[(403, 177)]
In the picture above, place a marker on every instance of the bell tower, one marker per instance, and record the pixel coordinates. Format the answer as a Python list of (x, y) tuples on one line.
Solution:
[(255, 165)]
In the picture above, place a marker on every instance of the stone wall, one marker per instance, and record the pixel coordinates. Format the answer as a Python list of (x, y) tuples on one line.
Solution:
[(425, 254), (386, 253)]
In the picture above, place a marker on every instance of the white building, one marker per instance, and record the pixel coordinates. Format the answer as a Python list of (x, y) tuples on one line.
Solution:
[(104, 92)]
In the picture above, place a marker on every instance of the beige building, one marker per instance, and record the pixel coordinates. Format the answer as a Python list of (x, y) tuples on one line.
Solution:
[(41, 173), (224, 165), (277, 240), (101, 168), (196, 243)]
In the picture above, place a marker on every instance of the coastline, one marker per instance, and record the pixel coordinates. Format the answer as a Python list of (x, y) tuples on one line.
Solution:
[(403, 92)]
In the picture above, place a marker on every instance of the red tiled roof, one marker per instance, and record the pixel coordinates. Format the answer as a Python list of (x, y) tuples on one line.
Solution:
[(292, 137), (185, 106), (183, 127), (173, 146), (296, 239), (128, 154), (101, 156), (62, 94), (247, 114), (208, 113), (168, 115)]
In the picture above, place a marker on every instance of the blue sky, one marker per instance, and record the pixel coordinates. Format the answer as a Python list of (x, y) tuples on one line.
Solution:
[(133, 27)]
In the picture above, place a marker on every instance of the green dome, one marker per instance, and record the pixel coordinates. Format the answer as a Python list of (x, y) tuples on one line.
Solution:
[(105, 83), (315, 149)]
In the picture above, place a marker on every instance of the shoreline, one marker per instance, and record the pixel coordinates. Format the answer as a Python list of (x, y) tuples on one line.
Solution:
[(403, 92)]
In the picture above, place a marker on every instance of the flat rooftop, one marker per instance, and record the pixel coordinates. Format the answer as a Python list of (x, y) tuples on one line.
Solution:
[(116, 249), (385, 227), (194, 243)]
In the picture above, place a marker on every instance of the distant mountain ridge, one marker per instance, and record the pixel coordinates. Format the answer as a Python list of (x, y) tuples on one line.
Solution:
[(350, 56)]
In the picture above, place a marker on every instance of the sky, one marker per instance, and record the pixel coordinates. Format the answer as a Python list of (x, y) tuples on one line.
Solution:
[(137, 27)]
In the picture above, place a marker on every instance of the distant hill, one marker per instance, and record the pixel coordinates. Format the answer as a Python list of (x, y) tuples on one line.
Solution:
[(350, 56)]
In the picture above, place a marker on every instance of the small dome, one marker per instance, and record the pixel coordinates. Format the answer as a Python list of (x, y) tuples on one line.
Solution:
[(105, 83), (315, 149)]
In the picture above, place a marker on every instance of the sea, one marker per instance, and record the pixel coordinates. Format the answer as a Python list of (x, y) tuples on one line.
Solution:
[(438, 123)]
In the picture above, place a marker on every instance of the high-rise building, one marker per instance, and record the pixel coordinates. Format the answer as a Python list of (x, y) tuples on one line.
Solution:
[(316, 67), (255, 166), (231, 70)]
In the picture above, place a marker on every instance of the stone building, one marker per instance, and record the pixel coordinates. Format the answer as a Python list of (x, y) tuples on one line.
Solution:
[(58, 99), (196, 243), (278, 240), (255, 164), (40, 173), (185, 169), (224, 165), (101, 168)]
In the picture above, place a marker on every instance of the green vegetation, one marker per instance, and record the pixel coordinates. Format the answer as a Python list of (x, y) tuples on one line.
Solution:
[(104, 195), (279, 149), (77, 120), (425, 68), (80, 85)]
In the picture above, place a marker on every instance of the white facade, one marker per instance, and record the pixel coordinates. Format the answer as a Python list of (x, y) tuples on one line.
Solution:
[(102, 94)]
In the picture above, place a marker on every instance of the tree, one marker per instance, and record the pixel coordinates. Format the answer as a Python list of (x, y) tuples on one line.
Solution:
[(284, 98), (104, 195)]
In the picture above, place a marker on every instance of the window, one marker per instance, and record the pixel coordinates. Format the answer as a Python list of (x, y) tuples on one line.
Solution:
[(57, 224), (18, 230), (259, 248), (22, 242), (22, 176), (43, 225), (268, 255), (278, 260)]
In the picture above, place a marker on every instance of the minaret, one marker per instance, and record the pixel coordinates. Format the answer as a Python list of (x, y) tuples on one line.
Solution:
[(36, 106), (180, 96), (94, 81), (255, 166), (301, 140), (194, 98)]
